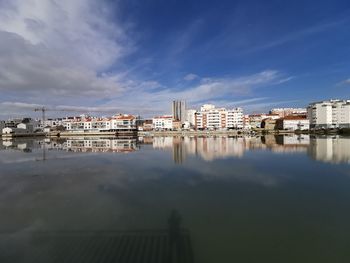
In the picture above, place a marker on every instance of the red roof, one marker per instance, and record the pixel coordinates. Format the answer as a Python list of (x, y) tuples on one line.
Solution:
[(300, 117)]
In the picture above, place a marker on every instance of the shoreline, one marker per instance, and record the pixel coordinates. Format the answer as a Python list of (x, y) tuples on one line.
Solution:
[(66, 134)]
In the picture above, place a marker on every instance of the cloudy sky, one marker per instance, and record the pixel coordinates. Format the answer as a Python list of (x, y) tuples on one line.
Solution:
[(137, 56)]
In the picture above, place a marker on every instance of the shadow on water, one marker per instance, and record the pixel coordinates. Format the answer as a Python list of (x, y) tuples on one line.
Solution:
[(172, 245)]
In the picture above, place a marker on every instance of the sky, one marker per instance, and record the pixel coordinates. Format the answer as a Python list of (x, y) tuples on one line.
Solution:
[(136, 56)]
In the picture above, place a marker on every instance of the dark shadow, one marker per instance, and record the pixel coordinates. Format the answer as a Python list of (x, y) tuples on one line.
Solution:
[(172, 245)]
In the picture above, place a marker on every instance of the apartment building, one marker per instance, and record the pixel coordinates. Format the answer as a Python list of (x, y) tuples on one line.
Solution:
[(115, 123), (210, 117), (329, 114), (163, 122)]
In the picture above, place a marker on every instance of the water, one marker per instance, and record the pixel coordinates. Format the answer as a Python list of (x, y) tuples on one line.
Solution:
[(245, 199)]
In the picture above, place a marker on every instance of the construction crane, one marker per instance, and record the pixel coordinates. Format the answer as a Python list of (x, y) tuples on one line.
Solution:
[(43, 111)]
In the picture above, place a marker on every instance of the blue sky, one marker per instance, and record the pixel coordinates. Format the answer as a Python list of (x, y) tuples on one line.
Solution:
[(137, 56)]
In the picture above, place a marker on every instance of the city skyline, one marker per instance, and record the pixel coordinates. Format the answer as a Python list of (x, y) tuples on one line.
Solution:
[(134, 57)]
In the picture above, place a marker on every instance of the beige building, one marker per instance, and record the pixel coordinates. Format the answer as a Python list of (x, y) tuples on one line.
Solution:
[(329, 114), (210, 117)]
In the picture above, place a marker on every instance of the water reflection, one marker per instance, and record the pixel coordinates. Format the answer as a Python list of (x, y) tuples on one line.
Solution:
[(332, 149), (238, 196)]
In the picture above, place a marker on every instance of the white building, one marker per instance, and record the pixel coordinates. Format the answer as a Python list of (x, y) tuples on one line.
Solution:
[(235, 118), (191, 117), (210, 117), (26, 126), (329, 114), (293, 123), (162, 122), (115, 123), (9, 130)]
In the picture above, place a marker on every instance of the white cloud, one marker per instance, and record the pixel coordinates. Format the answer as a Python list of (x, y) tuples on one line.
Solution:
[(58, 48), (141, 100), (190, 77), (146, 98), (56, 53)]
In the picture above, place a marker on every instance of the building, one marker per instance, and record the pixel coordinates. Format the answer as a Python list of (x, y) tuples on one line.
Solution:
[(9, 130), (110, 124), (293, 123), (210, 117), (235, 118), (26, 126), (329, 114), (179, 110), (191, 117), (163, 122), (283, 112), (269, 124), (145, 125), (255, 120)]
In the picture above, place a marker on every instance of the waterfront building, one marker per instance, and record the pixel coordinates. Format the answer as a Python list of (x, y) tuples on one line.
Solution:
[(269, 124), (210, 117), (293, 123), (8, 130), (88, 124), (145, 125), (179, 110), (329, 114), (163, 122), (26, 126), (191, 117), (255, 120), (283, 112)]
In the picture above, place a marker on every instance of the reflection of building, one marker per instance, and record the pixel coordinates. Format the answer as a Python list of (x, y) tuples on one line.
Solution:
[(179, 152), (333, 149), (101, 145), (329, 114)]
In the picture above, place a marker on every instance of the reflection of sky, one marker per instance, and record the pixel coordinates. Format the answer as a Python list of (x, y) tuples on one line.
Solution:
[(232, 205)]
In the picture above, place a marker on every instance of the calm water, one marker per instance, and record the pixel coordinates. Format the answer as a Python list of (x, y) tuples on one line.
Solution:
[(246, 199)]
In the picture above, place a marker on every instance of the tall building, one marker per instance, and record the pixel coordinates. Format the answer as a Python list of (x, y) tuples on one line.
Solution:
[(329, 114), (179, 110)]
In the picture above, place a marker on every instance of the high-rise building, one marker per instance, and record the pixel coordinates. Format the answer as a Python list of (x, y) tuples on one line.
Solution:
[(179, 110)]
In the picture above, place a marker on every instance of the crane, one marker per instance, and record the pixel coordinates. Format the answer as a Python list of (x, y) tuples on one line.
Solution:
[(43, 111)]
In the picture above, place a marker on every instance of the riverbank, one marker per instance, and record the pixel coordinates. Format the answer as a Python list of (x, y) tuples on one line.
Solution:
[(14, 135), (193, 133), (67, 134)]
